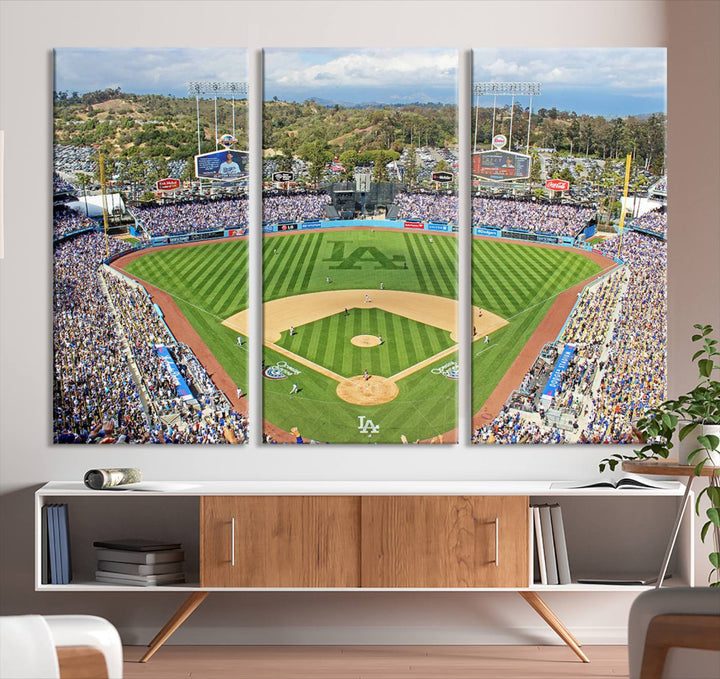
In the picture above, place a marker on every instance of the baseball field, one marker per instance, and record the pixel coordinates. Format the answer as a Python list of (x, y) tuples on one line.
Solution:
[(360, 324)]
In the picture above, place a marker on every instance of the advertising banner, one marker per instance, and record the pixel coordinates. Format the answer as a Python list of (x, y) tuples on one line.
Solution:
[(413, 225)]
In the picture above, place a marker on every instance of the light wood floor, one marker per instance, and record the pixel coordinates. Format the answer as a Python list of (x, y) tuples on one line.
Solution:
[(375, 662)]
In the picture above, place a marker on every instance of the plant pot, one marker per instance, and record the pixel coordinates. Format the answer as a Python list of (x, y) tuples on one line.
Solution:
[(713, 455), (691, 443)]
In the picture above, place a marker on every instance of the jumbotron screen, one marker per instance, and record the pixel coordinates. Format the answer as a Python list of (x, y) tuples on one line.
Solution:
[(225, 164), (501, 165)]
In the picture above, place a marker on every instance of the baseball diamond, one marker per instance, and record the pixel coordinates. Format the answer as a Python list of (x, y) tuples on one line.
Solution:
[(411, 356)]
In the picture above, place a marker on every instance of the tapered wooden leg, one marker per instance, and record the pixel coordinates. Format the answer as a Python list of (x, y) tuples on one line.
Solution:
[(546, 613), (181, 615)]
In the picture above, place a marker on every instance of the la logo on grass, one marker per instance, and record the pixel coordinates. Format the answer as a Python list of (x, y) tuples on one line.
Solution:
[(362, 255), (367, 426)]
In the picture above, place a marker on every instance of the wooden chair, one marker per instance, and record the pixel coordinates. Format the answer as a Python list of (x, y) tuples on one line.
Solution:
[(680, 618)]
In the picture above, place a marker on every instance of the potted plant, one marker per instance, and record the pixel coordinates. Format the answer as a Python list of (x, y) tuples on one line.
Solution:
[(698, 409)]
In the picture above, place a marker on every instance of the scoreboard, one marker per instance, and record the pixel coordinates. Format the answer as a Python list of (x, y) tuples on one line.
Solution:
[(501, 166)]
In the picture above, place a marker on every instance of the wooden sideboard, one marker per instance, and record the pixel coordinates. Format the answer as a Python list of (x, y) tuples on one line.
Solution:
[(357, 536)]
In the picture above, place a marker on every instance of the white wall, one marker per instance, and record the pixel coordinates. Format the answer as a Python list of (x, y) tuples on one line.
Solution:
[(29, 30)]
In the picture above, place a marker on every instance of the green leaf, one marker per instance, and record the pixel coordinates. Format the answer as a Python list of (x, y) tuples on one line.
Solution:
[(697, 354), (713, 493), (714, 516), (715, 559), (704, 530), (705, 366), (699, 467), (695, 338), (687, 429)]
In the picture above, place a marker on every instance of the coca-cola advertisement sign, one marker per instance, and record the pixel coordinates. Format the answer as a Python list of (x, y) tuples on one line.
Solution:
[(557, 184)]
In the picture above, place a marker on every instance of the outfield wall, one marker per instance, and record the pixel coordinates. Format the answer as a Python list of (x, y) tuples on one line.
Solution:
[(414, 224)]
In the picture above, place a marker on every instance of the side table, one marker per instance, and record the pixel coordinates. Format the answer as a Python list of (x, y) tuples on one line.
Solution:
[(669, 468)]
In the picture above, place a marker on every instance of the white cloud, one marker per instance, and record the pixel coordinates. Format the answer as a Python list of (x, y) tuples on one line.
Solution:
[(611, 69), (360, 68)]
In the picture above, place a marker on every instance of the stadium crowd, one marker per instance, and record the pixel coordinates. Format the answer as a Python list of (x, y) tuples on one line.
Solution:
[(66, 222), (618, 368), (192, 217), (655, 221), (105, 333), (295, 207), (427, 206), (558, 219), (61, 185)]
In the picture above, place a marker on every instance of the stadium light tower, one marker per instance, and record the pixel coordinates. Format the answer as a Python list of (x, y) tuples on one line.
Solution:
[(511, 89), (236, 89)]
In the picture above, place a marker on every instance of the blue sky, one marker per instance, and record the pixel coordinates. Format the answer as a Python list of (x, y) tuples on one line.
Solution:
[(384, 75), (146, 71), (599, 81)]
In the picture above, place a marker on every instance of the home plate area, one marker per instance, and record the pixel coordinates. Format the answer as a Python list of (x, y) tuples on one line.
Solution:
[(372, 390)]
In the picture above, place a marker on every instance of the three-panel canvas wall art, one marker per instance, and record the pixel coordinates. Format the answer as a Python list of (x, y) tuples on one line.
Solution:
[(361, 234)]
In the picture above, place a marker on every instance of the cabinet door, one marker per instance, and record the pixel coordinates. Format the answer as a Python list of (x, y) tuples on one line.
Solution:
[(280, 541), (439, 541)]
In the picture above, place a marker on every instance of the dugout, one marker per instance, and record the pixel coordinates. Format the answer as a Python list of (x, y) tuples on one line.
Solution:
[(351, 203)]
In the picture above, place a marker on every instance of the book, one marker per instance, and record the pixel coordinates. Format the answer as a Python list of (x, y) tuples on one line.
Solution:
[(622, 579), (52, 551), (137, 545), (142, 580), (627, 482), (561, 552), (139, 568), (549, 545), (64, 533), (127, 556), (540, 547), (55, 563), (45, 552)]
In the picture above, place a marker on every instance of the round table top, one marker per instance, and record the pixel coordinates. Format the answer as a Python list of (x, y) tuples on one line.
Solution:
[(666, 468)]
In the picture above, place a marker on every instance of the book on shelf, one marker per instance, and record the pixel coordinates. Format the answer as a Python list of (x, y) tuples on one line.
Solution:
[(561, 551), (539, 548), (129, 556), (137, 545), (549, 545), (139, 568), (624, 482), (139, 580), (45, 557), (623, 579), (64, 539), (53, 544)]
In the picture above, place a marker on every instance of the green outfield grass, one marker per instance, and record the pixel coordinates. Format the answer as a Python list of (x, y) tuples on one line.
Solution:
[(209, 283), (299, 263), (518, 282), (327, 342)]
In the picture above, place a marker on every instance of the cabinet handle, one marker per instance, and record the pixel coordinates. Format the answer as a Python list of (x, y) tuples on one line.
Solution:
[(497, 541), (232, 542)]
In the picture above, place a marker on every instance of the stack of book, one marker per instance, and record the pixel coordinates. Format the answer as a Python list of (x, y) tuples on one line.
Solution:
[(552, 565), (143, 563), (56, 565)]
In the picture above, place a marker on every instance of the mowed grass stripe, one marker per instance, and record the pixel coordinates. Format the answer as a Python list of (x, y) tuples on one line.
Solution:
[(433, 285), (432, 257), (504, 298), (448, 257), (305, 284), (306, 264), (415, 263)]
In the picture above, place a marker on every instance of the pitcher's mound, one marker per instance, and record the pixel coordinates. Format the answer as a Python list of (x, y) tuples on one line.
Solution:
[(365, 341), (372, 392)]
